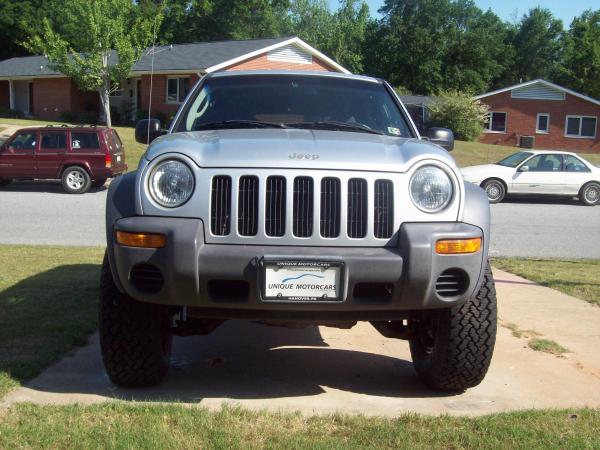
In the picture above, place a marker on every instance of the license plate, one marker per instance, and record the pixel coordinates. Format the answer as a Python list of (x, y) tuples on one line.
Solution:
[(302, 281)]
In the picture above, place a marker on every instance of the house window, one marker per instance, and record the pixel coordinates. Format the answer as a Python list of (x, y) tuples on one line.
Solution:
[(177, 89), (581, 127), (543, 123), (496, 122)]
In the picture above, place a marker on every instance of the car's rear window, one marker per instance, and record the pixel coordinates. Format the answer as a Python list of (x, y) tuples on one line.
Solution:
[(114, 141), (84, 140)]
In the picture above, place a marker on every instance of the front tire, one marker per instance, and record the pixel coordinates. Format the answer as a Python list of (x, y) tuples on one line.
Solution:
[(452, 348), (495, 190), (76, 180), (134, 337), (590, 194)]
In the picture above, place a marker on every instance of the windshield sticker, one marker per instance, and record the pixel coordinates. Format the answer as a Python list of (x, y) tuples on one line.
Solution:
[(394, 131)]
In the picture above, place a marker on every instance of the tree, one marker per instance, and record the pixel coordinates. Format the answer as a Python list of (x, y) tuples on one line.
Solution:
[(459, 112), (340, 35), (581, 62), (428, 45), (97, 45), (537, 44)]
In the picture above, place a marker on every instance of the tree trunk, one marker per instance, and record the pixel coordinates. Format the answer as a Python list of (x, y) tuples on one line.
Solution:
[(105, 101)]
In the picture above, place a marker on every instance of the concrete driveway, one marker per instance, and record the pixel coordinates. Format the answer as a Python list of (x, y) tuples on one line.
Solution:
[(325, 370)]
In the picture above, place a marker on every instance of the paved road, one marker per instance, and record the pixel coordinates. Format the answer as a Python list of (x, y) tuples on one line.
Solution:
[(40, 213), (325, 370)]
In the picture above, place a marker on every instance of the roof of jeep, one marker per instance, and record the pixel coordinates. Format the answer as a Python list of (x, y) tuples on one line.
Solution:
[(315, 73)]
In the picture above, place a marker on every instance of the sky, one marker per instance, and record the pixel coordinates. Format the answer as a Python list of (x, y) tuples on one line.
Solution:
[(508, 10)]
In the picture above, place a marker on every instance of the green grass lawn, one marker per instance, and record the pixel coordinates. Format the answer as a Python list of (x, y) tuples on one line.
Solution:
[(578, 277), (118, 425), (48, 305)]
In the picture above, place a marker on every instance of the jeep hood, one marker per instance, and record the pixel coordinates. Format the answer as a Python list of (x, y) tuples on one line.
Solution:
[(298, 149)]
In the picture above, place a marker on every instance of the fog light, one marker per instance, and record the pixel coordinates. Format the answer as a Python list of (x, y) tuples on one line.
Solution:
[(145, 240), (458, 246)]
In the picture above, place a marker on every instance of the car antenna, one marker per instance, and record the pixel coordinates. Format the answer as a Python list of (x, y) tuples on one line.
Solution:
[(152, 73)]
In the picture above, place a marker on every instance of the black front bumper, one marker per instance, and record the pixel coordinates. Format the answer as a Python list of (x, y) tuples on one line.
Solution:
[(225, 280)]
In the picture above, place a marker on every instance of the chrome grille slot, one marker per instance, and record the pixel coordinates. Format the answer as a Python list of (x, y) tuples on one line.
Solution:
[(220, 209), (303, 207), (248, 205), (275, 208), (383, 222), (330, 207), (357, 208)]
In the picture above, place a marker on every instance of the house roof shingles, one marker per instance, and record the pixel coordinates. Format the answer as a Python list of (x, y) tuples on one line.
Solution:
[(192, 57)]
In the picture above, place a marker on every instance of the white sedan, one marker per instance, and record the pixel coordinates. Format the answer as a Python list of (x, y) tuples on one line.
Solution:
[(538, 173)]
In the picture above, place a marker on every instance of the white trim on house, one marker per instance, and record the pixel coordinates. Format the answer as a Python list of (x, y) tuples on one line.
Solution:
[(537, 123), (543, 82), (489, 125), (11, 95), (580, 117), (293, 41)]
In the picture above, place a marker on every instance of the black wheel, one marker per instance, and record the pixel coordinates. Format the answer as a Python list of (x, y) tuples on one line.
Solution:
[(4, 182), (134, 337), (75, 180), (590, 194), (495, 190), (98, 183), (452, 348)]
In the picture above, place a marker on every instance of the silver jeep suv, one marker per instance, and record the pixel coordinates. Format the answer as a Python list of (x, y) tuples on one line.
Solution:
[(304, 198)]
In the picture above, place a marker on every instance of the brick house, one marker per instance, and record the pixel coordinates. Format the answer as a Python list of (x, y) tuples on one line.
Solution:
[(555, 117), (27, 84)]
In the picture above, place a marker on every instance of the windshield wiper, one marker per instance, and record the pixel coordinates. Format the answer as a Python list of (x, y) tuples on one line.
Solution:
[(334, 125), (237, 124)]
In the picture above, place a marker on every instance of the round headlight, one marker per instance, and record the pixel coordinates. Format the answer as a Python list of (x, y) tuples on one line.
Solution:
[(431, 189), (171, 183)]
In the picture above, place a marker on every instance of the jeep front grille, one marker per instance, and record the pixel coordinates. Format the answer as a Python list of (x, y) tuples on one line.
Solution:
[(220, 212), (303, 206), (330, 207), (384, 209), (304, 209), (248, 205), (275, 207)]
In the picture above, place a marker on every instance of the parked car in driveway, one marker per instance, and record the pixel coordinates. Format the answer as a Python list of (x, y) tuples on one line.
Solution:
[(535, 172), (82, 157)]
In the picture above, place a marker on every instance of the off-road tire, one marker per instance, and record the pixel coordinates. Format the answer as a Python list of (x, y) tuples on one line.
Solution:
[(76, 180), (455, 352), (494, 190), (134, 337), (589, 194), (98, 183)]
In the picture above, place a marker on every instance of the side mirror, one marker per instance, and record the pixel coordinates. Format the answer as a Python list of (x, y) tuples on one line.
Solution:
[(442, 137), (147, 130), (524, 169)]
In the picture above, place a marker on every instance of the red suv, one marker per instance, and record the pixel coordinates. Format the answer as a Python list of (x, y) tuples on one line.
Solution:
[(82, 157)]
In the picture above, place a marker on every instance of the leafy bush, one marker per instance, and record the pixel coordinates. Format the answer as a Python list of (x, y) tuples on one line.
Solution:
[(459, 112)]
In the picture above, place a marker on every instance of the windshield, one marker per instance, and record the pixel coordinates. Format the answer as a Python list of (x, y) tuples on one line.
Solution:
[(293, 101), (515, 159)]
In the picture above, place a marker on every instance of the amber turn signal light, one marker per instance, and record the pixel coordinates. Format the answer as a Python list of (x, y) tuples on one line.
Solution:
[(458, 246), (145, 240)]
